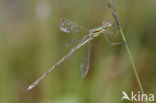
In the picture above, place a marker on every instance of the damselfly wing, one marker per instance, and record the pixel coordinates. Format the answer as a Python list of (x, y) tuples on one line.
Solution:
[(84, 67), (68, 26)]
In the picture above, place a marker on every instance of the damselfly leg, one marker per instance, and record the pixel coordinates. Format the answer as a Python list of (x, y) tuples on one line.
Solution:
[(111, 32)]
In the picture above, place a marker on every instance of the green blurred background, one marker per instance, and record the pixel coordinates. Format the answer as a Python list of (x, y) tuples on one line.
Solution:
[(30, 43)]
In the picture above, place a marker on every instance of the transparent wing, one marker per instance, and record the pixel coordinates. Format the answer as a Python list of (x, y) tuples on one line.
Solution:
[(85, 65), (68, 26), (72, 42), (76, 40)]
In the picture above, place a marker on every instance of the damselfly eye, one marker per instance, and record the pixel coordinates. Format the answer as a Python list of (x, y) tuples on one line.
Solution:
[(106, 24)]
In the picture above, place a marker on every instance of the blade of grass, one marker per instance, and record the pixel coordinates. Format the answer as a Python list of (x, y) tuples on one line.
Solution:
[(112, 6)]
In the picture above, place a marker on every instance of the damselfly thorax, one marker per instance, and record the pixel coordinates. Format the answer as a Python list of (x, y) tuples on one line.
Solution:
[(100, 29)]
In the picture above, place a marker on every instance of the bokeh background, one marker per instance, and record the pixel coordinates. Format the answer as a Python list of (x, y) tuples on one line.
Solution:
[(30, 43)]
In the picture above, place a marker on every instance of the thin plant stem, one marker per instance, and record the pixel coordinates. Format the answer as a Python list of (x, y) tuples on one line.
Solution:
[(132, 61), (111, 5)]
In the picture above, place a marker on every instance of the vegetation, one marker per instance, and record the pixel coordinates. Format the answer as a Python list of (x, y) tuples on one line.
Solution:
[(30, 43)]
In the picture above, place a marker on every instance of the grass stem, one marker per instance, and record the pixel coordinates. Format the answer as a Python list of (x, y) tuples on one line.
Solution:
[(111, 5)]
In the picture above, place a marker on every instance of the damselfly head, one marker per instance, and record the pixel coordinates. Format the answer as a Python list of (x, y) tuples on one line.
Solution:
[(106, 24)]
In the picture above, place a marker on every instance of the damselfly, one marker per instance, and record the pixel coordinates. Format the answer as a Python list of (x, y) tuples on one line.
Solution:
[(68, 26)]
